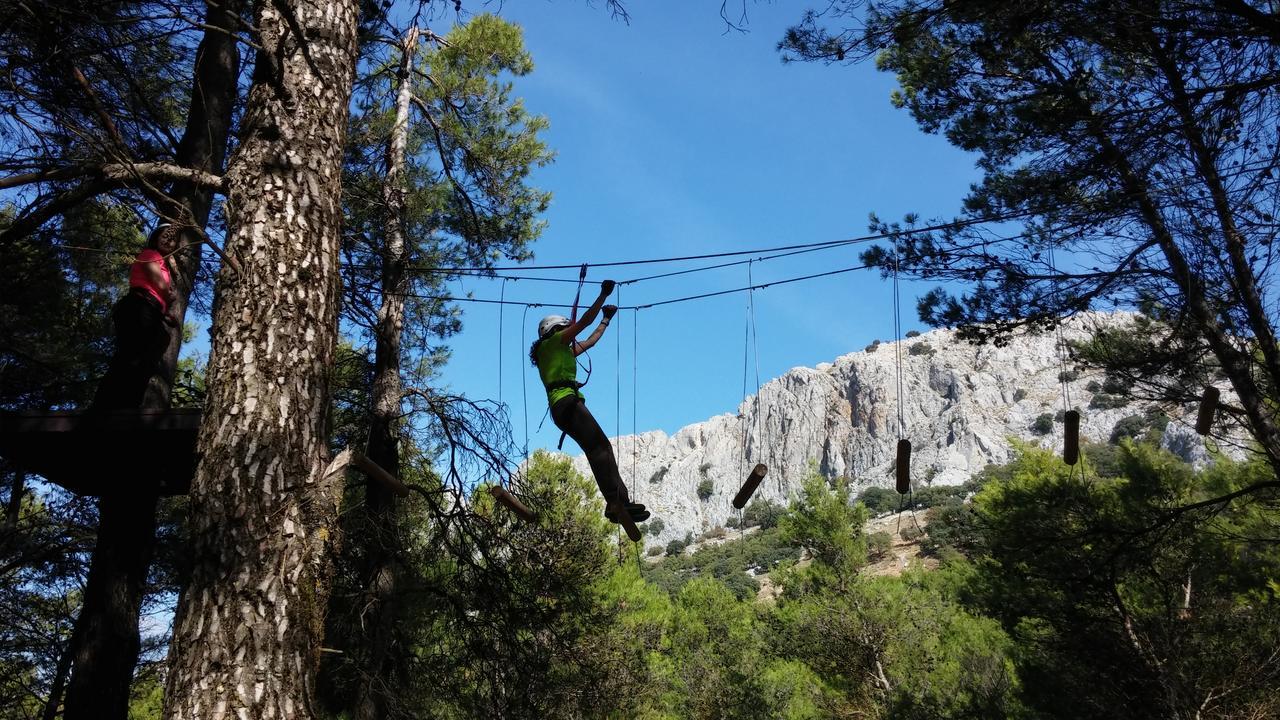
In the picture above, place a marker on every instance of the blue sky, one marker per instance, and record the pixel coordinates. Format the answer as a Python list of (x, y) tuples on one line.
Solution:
[(675, 137)]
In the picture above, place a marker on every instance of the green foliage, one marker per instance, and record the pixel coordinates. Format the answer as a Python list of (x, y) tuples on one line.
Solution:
[(1019, 395), (911, 532), (829, 528), (1093, 573), (1043, 424), (1104, 401), (878, 545), (655, 526), (705, 489), (520, 596), (675, 547), (874, 346), (913, 333), (879, 500), (921, 348), (658, 475), (733, 563), (761, 512)]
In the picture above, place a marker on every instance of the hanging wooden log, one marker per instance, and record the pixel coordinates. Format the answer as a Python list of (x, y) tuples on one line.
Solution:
[(1208, 407), (375, 472), (903, 466), (512, 503), (749, 487), (1071, 437), (633, 532)]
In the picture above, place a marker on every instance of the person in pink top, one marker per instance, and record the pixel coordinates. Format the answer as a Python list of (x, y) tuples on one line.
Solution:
[(142, 320)]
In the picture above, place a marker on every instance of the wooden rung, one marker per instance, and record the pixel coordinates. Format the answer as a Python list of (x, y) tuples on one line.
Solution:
[(1208, 406), (629, 525), (749, 487), (903, 466), (1071, 437), (512, 503), (375, 472)]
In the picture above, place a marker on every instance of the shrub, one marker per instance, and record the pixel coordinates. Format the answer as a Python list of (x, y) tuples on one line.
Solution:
[(655, 526), (716, 533), (653, 551), (913, 333), (1067, 376), (705, 488), (657, 477), (703, 468), (1129, 427), (921, 348), (879, 500), (1043, 424), (734, 523), (1019, 395), (875, 345), (764, 513), (878, 545), (1093, 386), (1106, 401), (911, 532), (675, 547)]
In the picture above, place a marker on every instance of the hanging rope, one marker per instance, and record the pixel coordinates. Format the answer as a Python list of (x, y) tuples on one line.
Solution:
[(503, 297), (758, 472), (524, 387), (1070, 416), (582, 278), (635, 372), (902, 464)]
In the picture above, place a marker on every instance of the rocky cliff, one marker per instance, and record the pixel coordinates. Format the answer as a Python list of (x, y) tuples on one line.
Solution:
[(960, 406)]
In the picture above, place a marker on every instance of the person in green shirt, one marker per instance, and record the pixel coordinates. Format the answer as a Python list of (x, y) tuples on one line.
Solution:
[(555, 354)]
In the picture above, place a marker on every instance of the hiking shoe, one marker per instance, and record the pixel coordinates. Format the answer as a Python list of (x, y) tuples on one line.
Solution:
[(635, 510)]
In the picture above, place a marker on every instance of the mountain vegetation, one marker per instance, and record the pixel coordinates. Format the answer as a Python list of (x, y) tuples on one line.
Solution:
[(1130, 146)]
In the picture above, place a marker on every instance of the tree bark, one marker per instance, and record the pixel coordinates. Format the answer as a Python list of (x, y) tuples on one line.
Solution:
[(106, 641), (13, 509), (248, 630), (381, 575)]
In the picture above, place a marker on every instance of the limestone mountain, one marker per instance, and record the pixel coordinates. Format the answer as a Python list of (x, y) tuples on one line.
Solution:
[(961, 405)]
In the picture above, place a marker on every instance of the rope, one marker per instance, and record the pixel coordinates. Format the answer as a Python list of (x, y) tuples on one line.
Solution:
[(524, 387), (897, 345), (502, 307), (617, 380), (582, 278), (746, 356), (635, 372)]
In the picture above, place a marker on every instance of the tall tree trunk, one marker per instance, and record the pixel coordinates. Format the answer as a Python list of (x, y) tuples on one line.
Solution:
[(13, 509), (248, 629), (106, 640), (381, 574)]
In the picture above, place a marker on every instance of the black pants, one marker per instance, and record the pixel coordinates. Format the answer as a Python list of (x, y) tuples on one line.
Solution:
[(141, 339), (572, 416)]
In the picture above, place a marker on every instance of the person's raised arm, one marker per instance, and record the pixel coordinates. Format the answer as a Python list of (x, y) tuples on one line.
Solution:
[(588, 317), (585, 345)]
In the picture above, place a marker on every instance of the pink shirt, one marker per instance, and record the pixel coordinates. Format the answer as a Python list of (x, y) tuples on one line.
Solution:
[(140, 278)]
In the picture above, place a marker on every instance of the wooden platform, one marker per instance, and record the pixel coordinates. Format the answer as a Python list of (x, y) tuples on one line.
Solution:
[(124, 450)]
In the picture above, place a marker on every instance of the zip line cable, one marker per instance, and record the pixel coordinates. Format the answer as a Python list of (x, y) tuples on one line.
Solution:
[(1259, 165)]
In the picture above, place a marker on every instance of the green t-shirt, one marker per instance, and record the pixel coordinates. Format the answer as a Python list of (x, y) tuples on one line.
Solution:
[(557, 363)]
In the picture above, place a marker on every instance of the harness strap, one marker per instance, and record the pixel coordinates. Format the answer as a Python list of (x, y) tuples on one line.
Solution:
[(582, 278)]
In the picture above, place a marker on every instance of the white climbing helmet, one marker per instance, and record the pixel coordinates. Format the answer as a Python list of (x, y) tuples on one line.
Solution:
[(550, 323)]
